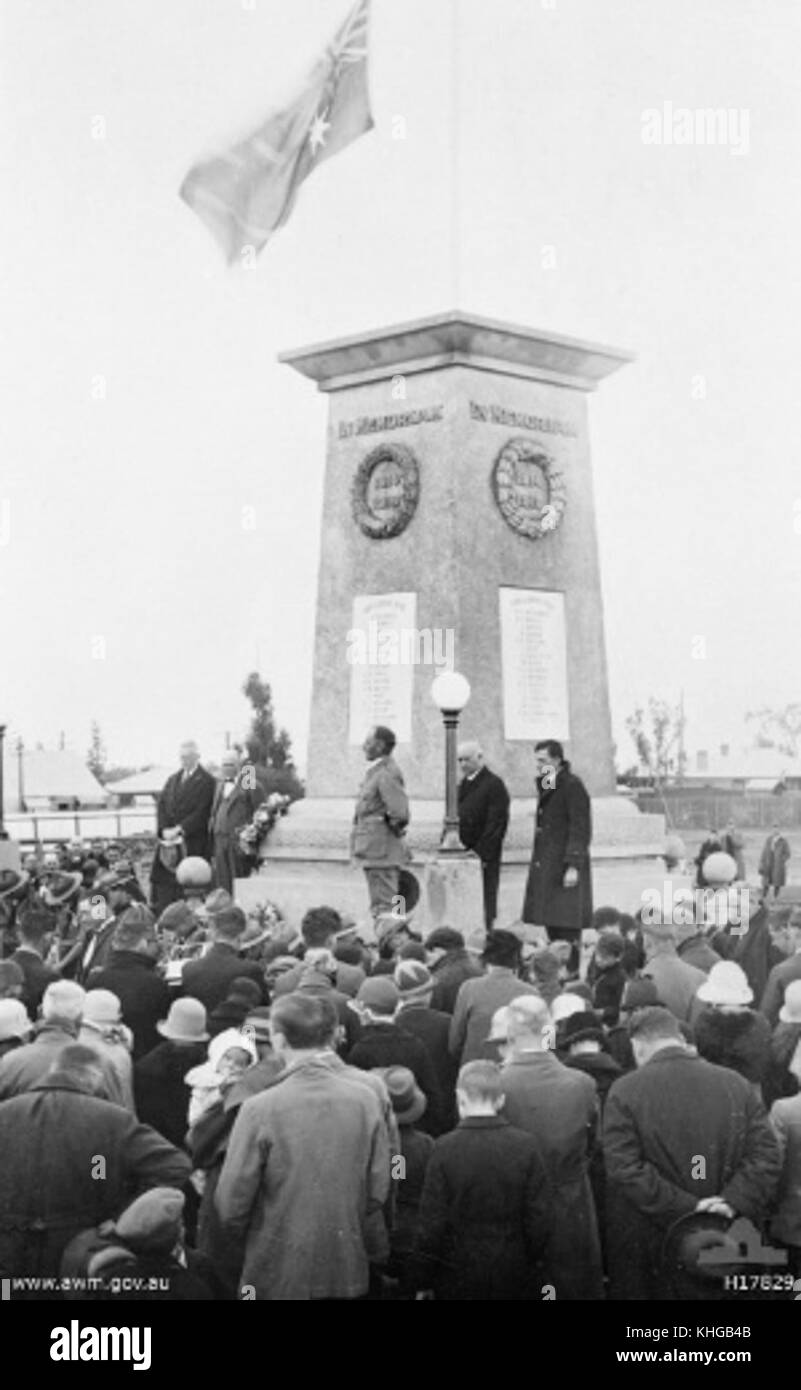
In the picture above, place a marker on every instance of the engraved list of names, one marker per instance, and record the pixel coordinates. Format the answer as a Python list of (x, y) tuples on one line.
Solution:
[(534, 663)]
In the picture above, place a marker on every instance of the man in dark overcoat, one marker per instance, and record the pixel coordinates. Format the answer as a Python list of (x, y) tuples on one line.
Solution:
[(559, 887), (680, 1135), (185, 804), (483, 820)]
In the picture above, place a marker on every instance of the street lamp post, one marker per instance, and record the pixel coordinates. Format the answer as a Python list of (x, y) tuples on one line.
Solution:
[(21, 774), (450, 692), (2, 797)]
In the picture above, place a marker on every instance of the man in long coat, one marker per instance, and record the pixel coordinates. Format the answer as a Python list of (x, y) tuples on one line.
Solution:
[(307, 1167), (559, 888), (237, 797), (379, 822), (680, 1135), (483, 820), (773, 862), (185, 803)]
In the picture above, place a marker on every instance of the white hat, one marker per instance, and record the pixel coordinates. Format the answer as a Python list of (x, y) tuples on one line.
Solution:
[(726, 984), (719, 868), (14, 1021), (566, 1004), (790, 1011), (206, 1074)]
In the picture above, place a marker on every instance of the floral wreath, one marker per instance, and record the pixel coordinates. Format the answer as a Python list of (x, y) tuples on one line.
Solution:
[(504, 488), (253, 835), (378, 527)]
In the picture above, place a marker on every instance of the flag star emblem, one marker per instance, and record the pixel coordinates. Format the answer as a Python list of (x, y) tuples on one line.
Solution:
[(317, 131)]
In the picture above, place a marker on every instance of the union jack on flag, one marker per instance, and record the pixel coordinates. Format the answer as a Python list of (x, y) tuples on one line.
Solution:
[(246, 194)]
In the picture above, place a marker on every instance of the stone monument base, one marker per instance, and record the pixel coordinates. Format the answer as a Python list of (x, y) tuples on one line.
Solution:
[(305, 863)]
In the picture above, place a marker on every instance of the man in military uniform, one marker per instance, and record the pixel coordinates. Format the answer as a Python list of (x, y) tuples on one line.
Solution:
[(380, 820)]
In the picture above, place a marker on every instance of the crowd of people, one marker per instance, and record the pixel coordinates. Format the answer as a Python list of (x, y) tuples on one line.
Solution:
[(338, 1114)]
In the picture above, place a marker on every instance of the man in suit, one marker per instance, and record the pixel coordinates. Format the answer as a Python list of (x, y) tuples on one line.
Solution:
[(380, 820), (208, 979), (184, 804), (237, 795), (34, 928), (483, 819), (559, 888)]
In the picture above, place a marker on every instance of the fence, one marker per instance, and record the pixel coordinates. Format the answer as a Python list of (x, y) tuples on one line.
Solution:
[(704, 810), (44, 827)]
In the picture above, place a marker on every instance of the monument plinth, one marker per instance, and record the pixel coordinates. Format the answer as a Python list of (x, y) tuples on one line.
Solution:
[(458, 530)]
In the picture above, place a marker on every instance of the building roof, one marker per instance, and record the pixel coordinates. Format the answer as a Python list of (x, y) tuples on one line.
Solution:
[(764, 765), (149, 780), (49, 773)]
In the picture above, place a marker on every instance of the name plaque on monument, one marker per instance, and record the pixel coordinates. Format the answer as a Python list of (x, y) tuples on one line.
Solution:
[(382, 677), (534, 664)]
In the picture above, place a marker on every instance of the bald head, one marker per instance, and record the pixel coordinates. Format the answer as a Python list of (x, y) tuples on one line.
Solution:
[(529, 1023), (189, 754), (471, 757)]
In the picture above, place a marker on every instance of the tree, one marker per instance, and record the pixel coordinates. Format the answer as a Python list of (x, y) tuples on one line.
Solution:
[(269, 748), (655, 735), (96, 757), (778, 728)]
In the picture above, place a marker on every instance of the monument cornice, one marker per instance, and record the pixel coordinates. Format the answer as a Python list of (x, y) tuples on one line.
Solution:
[(456, 339)]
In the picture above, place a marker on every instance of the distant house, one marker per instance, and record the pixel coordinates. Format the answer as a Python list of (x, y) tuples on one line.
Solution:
[(745, 770), (52, 780), (140, 788)]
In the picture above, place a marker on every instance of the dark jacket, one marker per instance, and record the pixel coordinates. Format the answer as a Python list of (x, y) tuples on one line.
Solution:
[(37, 977), (600, 1066), (739, 1040), (485, 1214), (144, 997), (755, 952), (390, 1045), (697, 951), (209, 978), (778, 980), (432, 1028), (559, 1106), (161, 1094), (483, 814), (416, 1149), (450, 973), (51, 1140), (561, 841), (608, 992), (188, 803), (658, 1122)]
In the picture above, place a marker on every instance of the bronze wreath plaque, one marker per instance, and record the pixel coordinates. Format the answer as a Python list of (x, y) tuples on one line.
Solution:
[(385, 491), (529, 488)]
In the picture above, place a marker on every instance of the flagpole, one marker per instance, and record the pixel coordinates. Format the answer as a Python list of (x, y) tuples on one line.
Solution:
[(456, 189)]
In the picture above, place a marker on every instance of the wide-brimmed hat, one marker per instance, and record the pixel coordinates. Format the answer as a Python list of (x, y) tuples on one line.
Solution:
[(790, 1011), (101, 1006), (413, 979), (178, 918), (581, 1027), (13, 881), (58, 888), (408, 1101), (14, 1021), (726, 983), (193, 872), (186, 1022)]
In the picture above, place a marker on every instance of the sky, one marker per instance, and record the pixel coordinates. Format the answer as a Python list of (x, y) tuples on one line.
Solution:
[(161, 473)]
